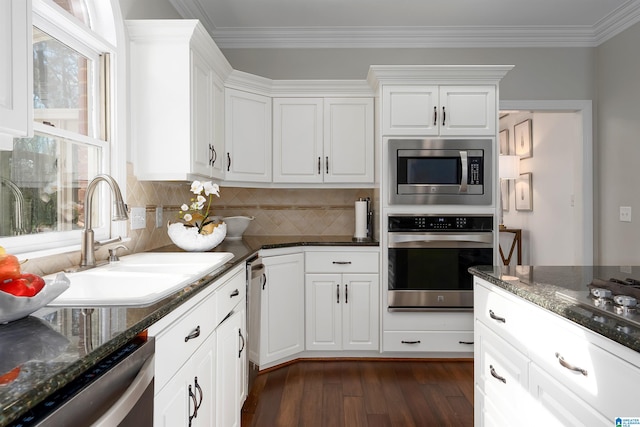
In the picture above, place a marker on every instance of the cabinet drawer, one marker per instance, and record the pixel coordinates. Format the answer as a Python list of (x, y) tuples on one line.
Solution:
[(341, 262), (229, 295), (608, 383), (179, 341), (428, 341), (508, 318)]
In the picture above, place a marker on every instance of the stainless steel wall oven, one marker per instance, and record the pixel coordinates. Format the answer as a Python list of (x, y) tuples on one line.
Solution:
[(428, 258)]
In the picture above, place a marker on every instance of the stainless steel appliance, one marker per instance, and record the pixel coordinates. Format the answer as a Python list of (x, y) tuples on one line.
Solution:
[(440, 171), (117, 391), (428, 258), (615, 297), (256, 279)]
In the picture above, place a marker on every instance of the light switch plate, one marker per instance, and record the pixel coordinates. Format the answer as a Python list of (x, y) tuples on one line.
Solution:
[(138, 218), (625, 213)]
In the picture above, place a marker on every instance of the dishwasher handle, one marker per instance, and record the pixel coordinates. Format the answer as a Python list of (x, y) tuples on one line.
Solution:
[(121, 408)]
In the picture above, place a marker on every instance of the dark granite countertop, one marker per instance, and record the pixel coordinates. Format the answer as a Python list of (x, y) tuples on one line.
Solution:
[(541, 286), (42, 352)]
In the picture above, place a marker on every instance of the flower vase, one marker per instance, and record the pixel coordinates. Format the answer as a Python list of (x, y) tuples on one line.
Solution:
[(188, 238)]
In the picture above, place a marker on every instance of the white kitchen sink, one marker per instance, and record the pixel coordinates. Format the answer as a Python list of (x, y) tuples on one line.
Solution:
[(139, 279)]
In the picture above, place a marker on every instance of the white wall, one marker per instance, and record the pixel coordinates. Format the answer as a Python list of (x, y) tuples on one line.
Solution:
[(551, 231), (618, 149)]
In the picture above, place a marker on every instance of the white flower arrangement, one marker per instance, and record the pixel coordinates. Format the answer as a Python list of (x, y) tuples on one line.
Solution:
[(197, 212)]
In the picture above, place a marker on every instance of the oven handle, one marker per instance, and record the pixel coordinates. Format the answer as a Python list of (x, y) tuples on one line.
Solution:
[(430, 240)]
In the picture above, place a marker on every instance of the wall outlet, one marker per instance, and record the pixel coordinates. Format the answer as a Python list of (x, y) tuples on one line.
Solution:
[(158, 216), (138, 218), (625, 213)]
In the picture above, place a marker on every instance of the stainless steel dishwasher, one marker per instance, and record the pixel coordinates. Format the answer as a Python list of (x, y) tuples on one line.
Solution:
[(256, 280), (117, 391)]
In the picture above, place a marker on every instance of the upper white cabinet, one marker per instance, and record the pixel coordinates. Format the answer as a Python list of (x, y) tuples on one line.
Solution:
[(177, 100), (16, 69), (439, 110), (323, 140), (248, 136)]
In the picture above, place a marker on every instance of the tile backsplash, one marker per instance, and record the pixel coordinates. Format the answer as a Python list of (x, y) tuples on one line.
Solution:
[(325, 212)]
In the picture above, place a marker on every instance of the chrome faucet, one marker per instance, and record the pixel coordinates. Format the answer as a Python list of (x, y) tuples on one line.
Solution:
[(88, 245), (18, 206)]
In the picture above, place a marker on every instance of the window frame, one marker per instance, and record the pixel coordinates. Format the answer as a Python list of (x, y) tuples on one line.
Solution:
[(58, 23)]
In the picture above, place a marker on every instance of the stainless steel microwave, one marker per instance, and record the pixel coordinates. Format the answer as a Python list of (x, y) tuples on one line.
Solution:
[(440, 171)]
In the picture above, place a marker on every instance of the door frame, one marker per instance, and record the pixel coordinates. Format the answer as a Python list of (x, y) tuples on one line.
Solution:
[(585, 230)]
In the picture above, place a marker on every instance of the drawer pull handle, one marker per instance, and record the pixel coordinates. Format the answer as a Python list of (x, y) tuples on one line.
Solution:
[(495, 375), (342, 262), (569, 366), (466, 342), (194, 334), (410, 342), (338, 294), (235, 293), (498, 318)]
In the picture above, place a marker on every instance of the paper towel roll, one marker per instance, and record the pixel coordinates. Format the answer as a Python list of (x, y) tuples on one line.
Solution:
[(361, 219)]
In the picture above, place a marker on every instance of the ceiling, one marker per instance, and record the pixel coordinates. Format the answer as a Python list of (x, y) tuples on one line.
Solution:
[(410, 23)]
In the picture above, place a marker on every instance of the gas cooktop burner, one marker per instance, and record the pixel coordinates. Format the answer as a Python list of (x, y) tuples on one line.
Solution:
[(618, 298)]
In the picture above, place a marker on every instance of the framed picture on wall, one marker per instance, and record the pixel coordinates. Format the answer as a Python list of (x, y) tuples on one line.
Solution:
[(524, 192), (504, 189), (523, 137), (504, 142)]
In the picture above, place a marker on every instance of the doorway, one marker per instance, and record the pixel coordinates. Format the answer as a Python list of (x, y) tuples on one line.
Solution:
[(556, 217)]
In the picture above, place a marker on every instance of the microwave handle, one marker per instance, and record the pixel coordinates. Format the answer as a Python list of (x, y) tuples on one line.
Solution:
[(465, 171)]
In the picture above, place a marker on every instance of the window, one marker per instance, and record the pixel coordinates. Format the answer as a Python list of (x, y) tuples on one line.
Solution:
[(43, 179)]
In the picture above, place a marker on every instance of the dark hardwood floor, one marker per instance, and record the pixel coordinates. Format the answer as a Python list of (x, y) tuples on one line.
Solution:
[(353, 393)]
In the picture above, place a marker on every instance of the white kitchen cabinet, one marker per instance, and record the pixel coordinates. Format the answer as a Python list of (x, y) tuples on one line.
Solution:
[(323, 140), (192, 359), (231, 360), (439, 110), (16, 71), (281, 308), (177, 100), (248, 136), (341, 300), (567, 375), (189, 398)]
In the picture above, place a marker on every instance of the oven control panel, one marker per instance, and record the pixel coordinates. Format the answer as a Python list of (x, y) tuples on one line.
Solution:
[(440, 222)]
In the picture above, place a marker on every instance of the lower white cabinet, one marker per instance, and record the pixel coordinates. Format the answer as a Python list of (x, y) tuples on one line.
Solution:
[(535, 368), (230, 369), (341, 300), (341, 311), (189, 398), (282, 308), (200, 370)]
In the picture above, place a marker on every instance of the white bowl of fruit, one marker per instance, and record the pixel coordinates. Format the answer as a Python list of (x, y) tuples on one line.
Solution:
[(23, 293)]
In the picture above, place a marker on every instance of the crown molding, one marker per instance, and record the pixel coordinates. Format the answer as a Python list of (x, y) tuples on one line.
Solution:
[(622, 18), (443, 74)]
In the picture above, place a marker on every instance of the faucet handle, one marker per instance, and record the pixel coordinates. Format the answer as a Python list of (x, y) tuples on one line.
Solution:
[(113, 256)]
